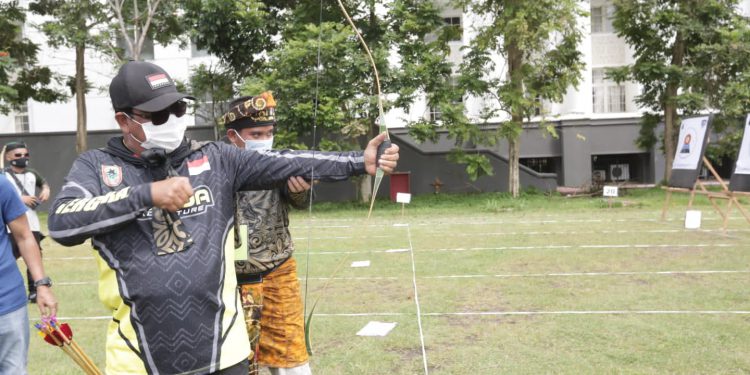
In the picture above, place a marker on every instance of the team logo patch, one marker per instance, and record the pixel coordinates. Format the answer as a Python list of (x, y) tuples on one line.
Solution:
[(159, 80), (198, 166), (112, 175)]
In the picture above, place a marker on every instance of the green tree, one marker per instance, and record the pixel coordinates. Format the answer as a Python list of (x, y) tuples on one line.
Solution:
[(421, 40), (236, 31), (213, 87), (137, 21), (690, 55), (336, 95), (538, 41), (74, 25), (21, 78), (239, 33)]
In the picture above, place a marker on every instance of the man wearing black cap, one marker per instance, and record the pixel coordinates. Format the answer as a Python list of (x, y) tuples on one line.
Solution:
[(266, 270), (159, 211), (26, 181)]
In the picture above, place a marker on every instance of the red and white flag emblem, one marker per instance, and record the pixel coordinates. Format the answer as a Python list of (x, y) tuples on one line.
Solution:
[(198, 166), (158, 80)]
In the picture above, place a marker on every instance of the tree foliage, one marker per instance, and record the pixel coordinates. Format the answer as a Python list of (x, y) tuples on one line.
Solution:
[(74, 25), (538, 43), (135, 21), (21, 78), (690, 56), (338, 94), (213, 87), (236, 31)]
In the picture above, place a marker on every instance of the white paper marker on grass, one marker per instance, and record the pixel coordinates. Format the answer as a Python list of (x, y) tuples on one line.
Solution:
[(361, 263), (374, 328), (692, 219)]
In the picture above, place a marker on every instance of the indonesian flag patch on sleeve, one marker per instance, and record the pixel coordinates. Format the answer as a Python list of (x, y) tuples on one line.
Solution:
[(198, 166), (159, 80)]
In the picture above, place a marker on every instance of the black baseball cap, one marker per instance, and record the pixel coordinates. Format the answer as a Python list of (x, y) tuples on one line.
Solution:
[(143, 86)]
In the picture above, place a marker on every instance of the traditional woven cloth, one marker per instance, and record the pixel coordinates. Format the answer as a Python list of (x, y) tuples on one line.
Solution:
[(282, 332)]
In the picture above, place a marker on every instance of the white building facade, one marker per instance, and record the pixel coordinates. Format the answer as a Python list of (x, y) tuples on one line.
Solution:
[(595, 97), (59, 117)]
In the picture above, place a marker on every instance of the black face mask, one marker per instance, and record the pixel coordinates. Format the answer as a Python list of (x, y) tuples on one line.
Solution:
[(20, 163)]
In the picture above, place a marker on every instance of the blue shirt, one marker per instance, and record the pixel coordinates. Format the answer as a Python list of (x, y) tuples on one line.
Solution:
[(12, 292)]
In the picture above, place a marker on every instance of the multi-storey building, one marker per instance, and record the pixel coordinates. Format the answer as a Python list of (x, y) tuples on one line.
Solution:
[(597, 122)]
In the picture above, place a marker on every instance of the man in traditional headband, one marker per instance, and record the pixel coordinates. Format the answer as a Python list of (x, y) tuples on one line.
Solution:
[(266, 270)]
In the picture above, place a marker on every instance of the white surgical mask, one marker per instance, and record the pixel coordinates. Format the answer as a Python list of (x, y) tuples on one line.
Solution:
[(168, 135), (256, 145)]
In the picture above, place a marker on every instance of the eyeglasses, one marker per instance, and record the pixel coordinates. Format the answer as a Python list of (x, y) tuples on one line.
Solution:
[(157, 118), (22, 155)]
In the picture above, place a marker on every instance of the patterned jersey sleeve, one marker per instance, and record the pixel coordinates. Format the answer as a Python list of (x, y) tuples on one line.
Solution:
[(271, 169), (82, 209)]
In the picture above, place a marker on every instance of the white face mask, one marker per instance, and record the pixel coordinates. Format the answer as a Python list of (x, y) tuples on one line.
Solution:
[(256, 145), (168, 135)]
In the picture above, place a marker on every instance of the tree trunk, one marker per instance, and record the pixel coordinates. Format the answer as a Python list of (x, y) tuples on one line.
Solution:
[(515, 64), (365, 188), (81, 145), (514, 153), (670, 117), (670, 107)]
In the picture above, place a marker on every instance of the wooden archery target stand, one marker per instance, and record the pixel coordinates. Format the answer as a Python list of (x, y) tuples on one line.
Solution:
[(699, 188), (687, 165)]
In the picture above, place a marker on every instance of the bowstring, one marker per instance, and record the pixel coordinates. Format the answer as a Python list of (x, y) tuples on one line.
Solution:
[(312, 173)]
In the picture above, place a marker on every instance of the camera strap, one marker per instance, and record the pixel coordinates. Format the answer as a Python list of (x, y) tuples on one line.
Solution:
[(10, 172)]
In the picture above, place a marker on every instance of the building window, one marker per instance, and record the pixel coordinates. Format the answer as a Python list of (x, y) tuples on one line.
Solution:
[(539, 106), (601, 19), (434, 112), (616, 99), (540, 165), (454, 22), (21, 119), (607, 95)]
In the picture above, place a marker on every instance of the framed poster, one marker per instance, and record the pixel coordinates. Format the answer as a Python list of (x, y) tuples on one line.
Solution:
[(691, 145), (741, 178)]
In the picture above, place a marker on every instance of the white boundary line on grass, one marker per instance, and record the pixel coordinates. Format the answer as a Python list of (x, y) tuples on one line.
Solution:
[(569, 274), (550, 233), (416, 298), (535, 222), (498, 313), (457, 249), (546, 247), (561, 312), (507, 275)]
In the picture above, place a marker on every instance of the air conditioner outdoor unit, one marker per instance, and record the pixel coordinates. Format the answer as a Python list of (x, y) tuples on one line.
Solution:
[(619, 172)]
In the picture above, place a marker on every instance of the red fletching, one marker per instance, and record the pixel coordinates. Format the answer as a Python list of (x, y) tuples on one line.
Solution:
[(65, 328), (58, 336), (50, 340)]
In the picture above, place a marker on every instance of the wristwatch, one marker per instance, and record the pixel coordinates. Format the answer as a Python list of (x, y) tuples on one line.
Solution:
[(45, 281)]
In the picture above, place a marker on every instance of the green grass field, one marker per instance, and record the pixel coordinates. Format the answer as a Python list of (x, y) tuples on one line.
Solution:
[(539, 284)]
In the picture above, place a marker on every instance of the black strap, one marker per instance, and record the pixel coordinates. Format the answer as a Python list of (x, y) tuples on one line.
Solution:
[(10, 172)]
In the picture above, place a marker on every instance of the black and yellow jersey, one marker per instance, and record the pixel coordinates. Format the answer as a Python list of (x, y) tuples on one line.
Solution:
[(173, 312)]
